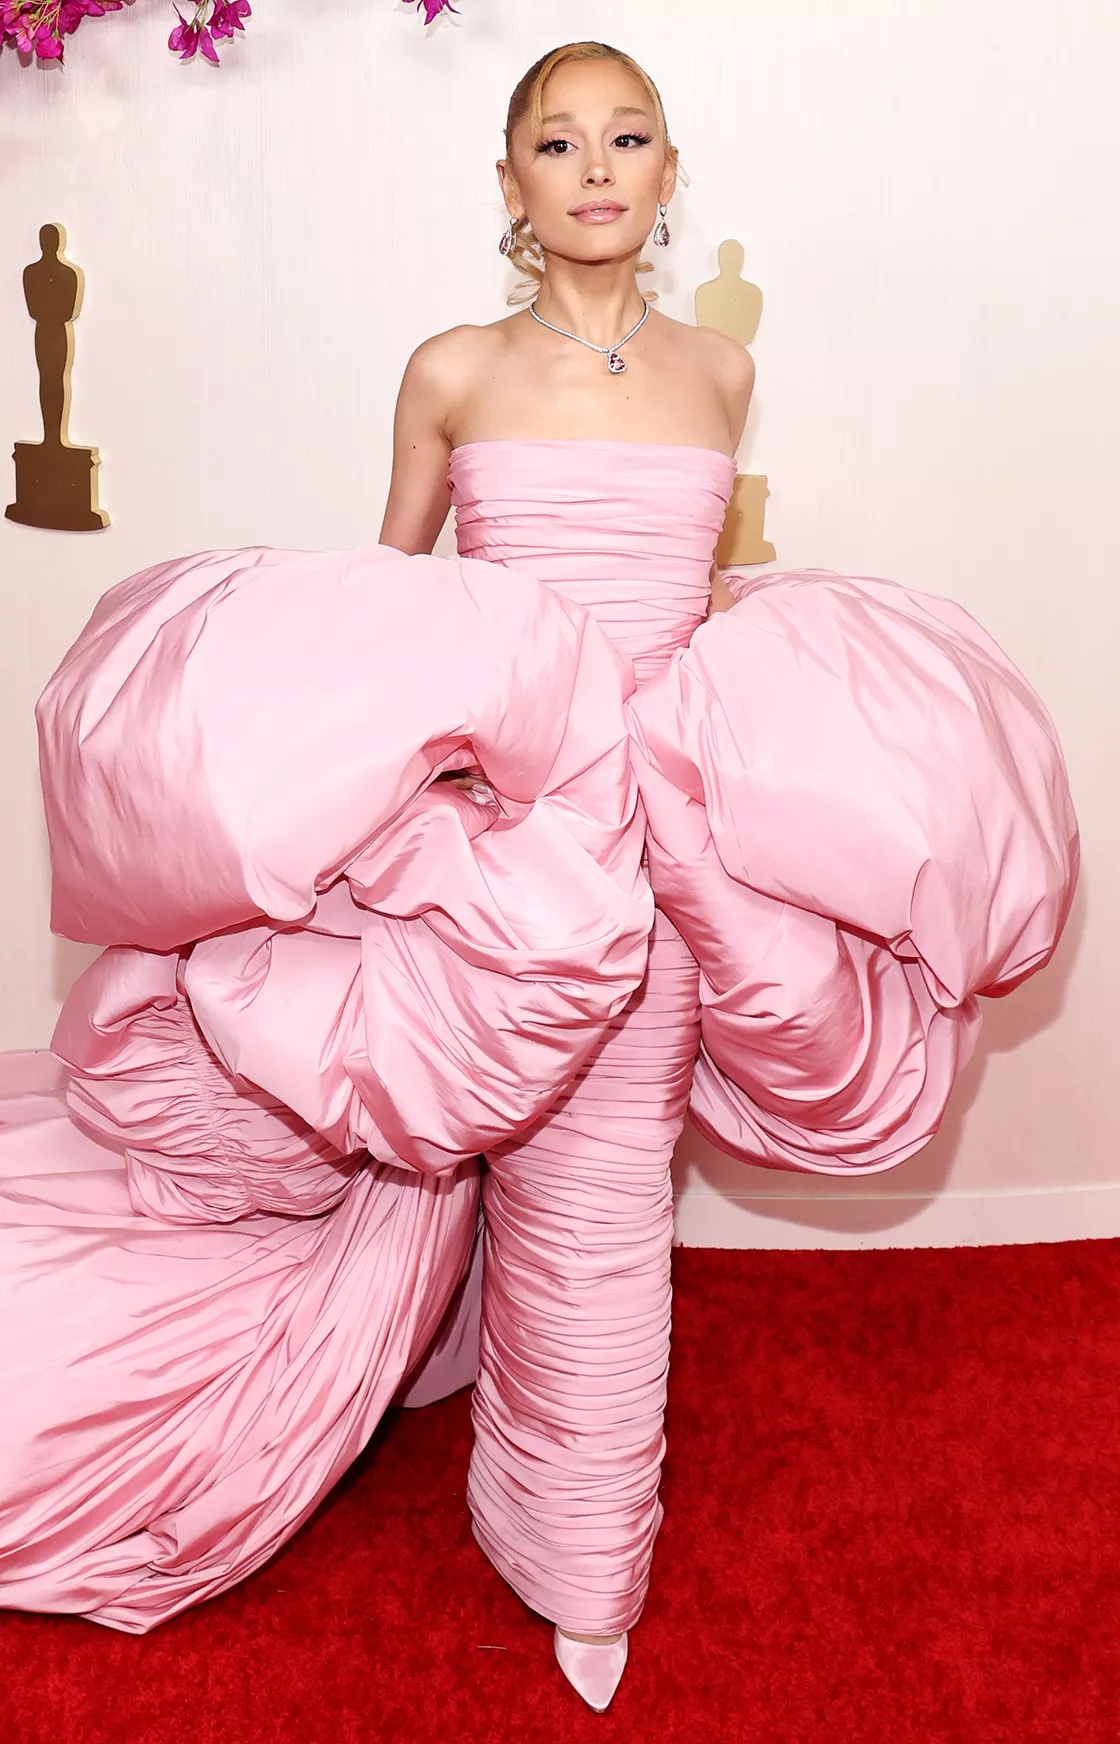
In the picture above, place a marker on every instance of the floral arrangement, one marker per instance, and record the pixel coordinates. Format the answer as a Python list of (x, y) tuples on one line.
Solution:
[(37, 28)]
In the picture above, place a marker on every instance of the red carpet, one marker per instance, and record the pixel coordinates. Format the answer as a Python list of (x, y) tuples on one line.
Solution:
[(892, 1516)]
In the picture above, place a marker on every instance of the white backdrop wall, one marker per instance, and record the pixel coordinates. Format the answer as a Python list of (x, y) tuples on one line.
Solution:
[(927, 192)]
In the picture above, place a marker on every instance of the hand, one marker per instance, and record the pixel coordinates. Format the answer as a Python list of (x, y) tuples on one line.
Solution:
[(722, 598), (472, 782)]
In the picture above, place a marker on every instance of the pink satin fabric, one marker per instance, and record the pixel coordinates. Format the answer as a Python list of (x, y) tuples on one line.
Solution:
[(574, 1357), (859, 818), (239, 1201), (179, 1396)]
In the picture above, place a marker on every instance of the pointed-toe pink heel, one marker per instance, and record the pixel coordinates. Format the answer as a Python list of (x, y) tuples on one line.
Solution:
[(593, 1668)]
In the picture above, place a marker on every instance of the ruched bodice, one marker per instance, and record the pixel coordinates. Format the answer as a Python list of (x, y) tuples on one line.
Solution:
[(626, 529)]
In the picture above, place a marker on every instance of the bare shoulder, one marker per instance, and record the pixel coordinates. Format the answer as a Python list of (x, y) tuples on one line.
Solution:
[(451, 358), (731, 365), (441, 372), (727, 364), (444, 360)]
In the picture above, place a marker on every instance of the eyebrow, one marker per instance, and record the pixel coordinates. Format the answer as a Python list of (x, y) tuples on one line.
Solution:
[(550, 120)]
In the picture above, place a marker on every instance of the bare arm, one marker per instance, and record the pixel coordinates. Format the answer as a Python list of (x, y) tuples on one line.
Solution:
[(418, 491)]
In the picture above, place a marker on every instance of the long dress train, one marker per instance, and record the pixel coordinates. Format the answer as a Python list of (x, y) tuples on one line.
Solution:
[(239, 1197)]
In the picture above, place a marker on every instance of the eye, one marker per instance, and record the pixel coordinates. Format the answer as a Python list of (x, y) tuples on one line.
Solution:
[(556, 147), (634, 139)]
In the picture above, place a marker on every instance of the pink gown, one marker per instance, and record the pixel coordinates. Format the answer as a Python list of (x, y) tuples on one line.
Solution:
[(238, 1199)]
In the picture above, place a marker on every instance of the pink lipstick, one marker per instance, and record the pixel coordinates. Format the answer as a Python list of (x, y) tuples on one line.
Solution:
[(598, 212)]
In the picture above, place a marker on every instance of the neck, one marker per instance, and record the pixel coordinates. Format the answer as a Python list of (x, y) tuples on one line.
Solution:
[(599, 301)]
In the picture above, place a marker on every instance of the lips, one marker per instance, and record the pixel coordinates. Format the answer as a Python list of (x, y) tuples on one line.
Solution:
[(598, 211)]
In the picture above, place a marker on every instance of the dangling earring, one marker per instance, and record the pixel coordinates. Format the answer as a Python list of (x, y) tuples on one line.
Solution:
[(507, 239), (661, 229)]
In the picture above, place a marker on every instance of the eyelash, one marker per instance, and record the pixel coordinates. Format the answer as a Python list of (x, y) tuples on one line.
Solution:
[(546, 145)]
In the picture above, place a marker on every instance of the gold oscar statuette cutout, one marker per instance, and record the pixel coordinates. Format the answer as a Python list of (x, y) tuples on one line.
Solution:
[(56, 482), (734, 306)]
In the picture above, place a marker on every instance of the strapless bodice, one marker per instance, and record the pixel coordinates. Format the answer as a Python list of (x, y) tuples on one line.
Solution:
[(626, 529)]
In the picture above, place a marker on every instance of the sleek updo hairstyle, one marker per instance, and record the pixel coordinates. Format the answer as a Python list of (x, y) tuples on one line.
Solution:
[(526, 104)]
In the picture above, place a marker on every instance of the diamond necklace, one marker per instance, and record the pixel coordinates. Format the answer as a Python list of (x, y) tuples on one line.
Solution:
[(616, 363)]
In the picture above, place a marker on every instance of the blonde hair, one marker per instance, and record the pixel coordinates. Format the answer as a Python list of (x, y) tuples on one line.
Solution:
[(527, 104)]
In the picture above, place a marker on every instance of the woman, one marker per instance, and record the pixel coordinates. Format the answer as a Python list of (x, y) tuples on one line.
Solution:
[(588, 169), (238, 1200)]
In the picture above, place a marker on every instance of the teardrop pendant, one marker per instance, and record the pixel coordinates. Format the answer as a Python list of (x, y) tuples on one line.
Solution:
[(661, 229), (616, 363)]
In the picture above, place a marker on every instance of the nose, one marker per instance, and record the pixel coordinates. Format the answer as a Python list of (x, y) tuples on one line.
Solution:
[(596, 175)]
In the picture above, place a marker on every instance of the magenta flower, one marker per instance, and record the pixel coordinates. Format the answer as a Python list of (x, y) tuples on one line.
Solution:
[(38, 26), (186, 39), (228, 15), (34, 30), (210, 19), (17, 28)]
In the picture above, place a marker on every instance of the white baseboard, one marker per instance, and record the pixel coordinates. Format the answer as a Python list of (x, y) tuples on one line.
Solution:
[(834, 1219)]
